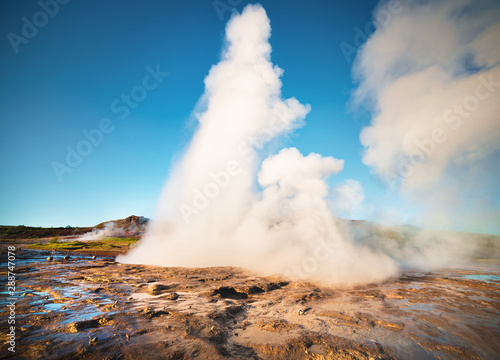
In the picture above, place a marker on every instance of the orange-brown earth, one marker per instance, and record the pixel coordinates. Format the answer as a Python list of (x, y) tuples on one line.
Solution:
[(85, 308)]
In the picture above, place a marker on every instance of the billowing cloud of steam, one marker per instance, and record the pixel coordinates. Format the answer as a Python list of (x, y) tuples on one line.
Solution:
[(109, 230), (214, 213), (432, 78), (347, 200)]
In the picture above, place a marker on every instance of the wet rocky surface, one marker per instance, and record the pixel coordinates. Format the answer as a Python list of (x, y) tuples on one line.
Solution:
[(86, 308)]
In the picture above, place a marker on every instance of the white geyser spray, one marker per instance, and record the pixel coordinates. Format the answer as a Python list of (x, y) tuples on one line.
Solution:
[(213, 212)]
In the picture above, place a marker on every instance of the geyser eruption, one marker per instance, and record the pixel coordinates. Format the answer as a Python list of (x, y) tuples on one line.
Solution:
[(218, 208)]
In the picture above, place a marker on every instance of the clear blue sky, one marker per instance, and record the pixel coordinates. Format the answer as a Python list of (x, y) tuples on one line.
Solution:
[(65, 78)]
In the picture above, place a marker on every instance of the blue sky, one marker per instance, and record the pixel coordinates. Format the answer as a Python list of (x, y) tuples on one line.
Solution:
[(65, 78)]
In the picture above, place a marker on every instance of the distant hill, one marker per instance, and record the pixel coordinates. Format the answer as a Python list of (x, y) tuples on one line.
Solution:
[(27, 232), (132, 222), (129, 224), (413, 245)]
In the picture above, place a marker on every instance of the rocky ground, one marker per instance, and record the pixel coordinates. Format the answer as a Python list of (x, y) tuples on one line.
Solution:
[(86, 308)]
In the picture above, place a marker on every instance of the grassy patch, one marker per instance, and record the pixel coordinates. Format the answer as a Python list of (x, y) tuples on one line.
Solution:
[(72, 245), (27, 232), (127, 240), (106, 244)]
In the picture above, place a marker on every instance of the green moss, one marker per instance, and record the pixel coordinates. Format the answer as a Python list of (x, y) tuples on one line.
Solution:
[(106, 244), (71, 245), (127, 240)]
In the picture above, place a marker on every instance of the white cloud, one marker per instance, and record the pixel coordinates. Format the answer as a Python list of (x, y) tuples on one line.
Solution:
[(433, 77)]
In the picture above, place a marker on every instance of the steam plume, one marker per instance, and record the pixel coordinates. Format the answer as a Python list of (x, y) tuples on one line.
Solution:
[(109, 230), (213, 211)]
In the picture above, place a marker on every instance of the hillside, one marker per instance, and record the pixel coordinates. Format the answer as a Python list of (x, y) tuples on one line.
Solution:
[(414, 246), (131, 223), (27, 232)]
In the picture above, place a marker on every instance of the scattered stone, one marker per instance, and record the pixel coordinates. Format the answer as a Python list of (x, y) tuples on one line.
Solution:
[(151, 312), (275, 286), (303, 311), (170, 296), (92, 340), (79, 326), (277, 326), (250, 290), (157, 289), (272, 286), (77, 278), (104, 321), (390, 325), (229, 292)]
